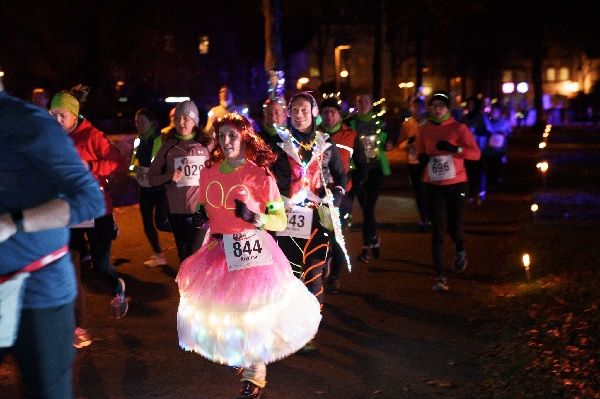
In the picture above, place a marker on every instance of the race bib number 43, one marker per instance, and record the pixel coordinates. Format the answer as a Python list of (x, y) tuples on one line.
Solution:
[(441, 167), (190, 166), (299, 222), (246, 249)]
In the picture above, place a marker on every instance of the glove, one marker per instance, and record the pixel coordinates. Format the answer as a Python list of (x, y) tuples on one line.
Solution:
[(411, 139), (444, 145), (338, 195), (242, 211), (423, 159), (200, 218)]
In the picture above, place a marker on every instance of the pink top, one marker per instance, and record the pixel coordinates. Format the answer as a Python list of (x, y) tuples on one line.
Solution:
[(454, 132), (248, 182)]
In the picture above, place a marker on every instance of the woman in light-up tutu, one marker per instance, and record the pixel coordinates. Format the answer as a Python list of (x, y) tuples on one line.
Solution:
[(240, 302)]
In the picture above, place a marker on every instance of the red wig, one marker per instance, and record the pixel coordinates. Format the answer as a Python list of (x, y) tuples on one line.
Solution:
[(257, 151)]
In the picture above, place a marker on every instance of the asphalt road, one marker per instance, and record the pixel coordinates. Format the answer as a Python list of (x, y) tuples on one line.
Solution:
[(386, 335)]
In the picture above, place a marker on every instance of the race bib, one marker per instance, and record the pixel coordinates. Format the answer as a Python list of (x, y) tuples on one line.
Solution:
[(441, 167), (245, 250), (142, 176), (88, 224), (11, 299), (299, 222), (190, 166)]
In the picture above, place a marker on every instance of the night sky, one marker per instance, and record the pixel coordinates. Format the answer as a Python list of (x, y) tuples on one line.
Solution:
[(154, 47)]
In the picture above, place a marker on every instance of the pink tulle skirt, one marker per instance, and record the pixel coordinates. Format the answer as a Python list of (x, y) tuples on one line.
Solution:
[(242, 317)]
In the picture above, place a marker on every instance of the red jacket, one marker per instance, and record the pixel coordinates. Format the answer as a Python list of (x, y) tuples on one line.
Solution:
[(100, 156), (454, 132), (345, 140)]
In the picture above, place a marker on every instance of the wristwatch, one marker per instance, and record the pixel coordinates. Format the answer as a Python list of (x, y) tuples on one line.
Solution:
[(17, 218)]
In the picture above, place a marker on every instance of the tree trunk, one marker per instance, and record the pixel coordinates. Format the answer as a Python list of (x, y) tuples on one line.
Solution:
[(273, 54), (419, 51), (377, 53)]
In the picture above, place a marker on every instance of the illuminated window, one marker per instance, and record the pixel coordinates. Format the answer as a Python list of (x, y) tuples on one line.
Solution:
[(564, 73), (204, 45), (551, 74)]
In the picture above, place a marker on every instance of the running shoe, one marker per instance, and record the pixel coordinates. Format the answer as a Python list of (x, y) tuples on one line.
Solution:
[(81, 338), (441, 285), (156, 260), (376, 248), (249, 391), (460, 261), (309, 347), (364, 256), (120, 303)]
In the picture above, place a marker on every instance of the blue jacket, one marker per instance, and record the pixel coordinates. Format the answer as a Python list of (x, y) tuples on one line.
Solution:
[(37, 164)]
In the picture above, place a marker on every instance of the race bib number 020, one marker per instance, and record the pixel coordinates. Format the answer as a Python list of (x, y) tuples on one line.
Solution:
[(441, 167), (246, 249), (299, 222), (190, 166)]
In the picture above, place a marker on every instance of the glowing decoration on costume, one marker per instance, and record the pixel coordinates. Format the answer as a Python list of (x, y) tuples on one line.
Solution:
[(245, 110), (522, 87), (380, 101), (534, 208), (1, 74), (344, 73), (282, 132), (212, 319), (526, 262), (508, 87), (542, 145), (545, 135), (542, 166)]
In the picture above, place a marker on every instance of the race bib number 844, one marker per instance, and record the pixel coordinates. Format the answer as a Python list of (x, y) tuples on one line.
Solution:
[(246, 249)]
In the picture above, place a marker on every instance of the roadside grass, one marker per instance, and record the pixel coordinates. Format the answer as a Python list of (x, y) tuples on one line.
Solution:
[(546, 331)]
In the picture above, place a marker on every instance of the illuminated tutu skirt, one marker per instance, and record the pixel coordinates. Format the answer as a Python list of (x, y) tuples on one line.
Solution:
[(243, 317)]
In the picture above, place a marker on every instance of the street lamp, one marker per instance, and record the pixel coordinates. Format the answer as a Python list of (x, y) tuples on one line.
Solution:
[(301, 82), (339, 68)]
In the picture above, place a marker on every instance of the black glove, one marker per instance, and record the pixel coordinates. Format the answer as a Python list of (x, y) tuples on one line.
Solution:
[(423, 159), (242, 211), (200, 218), (444, 145), (411, 139), (338, 195)]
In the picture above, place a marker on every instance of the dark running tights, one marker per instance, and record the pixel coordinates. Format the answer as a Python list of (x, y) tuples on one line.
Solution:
[(446, 206)]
